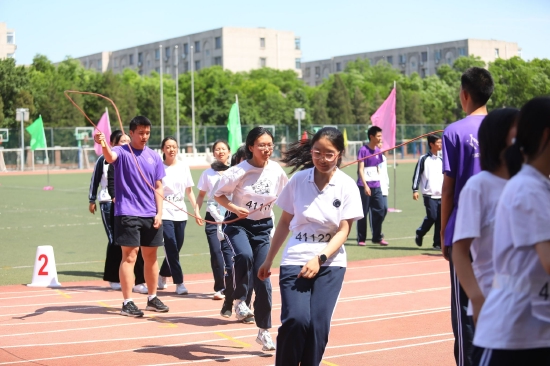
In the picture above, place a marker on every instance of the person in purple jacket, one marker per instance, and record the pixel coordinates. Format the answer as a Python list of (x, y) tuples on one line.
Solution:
[(368, 182), (138, 210), (460, 162)]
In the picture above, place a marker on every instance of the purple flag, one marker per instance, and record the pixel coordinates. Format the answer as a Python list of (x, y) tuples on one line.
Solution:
[(103, 126), (384, 118)]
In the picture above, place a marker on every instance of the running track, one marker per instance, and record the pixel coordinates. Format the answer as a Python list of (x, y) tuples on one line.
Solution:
[(391, 312)]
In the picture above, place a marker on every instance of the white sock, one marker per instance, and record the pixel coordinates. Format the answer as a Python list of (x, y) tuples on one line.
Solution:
[(151, 297), (126, 301)]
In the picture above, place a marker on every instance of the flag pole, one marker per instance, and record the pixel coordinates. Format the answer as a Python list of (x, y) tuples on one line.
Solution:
[(192, 101), (395, 209), (177, 99), (161, 97), (48, 187)]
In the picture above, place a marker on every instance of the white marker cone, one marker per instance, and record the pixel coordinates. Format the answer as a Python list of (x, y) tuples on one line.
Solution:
[(45, 273)]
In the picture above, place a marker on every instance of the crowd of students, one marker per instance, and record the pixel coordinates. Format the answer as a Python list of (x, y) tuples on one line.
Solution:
[(484, 184)]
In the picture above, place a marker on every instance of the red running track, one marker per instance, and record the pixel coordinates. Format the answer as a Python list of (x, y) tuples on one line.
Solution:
[(391, 312)]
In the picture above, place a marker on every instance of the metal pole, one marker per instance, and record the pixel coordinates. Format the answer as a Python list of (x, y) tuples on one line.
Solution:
[(193, 100), (299, 126), (161, 99), (176, 55), (22, 140)]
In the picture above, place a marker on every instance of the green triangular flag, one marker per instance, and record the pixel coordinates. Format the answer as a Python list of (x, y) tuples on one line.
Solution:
[(38, 138), (235, 138)]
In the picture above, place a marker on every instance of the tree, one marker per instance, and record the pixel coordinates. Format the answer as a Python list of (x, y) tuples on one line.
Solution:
[(339, 104), (319, 114), (12, 80), (1, 111), (360, 108)]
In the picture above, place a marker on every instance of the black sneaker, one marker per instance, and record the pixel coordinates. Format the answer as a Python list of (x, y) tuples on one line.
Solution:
[(437, 247), (418, 240), (249, 320), (156, 305), (227, 310), (130, 309)]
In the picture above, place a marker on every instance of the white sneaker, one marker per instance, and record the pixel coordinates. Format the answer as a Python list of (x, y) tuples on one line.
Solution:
[(181, 290), (115, 285), (264, 339), (219, 296), (140, 289), (241, 310), (162, 283)]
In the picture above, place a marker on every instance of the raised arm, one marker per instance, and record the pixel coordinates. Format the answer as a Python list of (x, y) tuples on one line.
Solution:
[(110, 156)]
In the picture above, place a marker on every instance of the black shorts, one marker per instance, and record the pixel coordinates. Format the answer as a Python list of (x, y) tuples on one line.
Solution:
[(134, 231)]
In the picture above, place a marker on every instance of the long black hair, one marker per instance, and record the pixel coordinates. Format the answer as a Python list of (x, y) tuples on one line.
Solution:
[(253, 136), (534, 118), (115, 137), (239, 155), (164, 142), (220, 141), (298, 155), (492, 135)]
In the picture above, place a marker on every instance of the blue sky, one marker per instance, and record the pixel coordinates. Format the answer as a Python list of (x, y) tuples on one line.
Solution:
[(58, 28)]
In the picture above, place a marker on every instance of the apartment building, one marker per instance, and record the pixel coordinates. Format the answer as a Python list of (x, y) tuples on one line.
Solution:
[(7, 42)]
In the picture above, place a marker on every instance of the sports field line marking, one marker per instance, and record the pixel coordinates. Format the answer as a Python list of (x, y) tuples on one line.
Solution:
[(167, 323), (67, 296), (385, 317), (328, 363), (395, 264), (46, 226), (395, 277), (388, 318), (232, 339)]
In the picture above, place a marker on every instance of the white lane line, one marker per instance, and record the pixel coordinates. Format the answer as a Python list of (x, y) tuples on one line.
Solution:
[(394, 277), (397, 264)]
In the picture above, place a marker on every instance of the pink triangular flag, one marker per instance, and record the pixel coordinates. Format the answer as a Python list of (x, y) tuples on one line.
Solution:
[(104, 126), (385, 118)]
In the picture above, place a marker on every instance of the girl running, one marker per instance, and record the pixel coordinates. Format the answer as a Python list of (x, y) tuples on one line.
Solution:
[(514, 323), (319, 206), (177, 183), (476, 209), (255, 184)]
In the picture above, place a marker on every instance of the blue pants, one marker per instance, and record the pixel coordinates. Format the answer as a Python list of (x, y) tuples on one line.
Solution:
[(249, 241), (375, 205), (217, 254), (307, 308), (433, 216), (174, 234)]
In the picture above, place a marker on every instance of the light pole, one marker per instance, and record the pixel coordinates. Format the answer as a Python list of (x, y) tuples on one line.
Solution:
[(193, 100), (22, 114), (161, 98), (176, 55)]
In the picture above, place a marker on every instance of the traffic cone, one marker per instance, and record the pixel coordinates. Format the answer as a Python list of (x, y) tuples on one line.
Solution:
[(45, 272)]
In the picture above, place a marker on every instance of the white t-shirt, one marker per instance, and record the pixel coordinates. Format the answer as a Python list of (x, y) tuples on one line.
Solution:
[(253, 188), (384, 177), (177, 179), (516, 314), (206, 183), (476, 219), (317, 215)]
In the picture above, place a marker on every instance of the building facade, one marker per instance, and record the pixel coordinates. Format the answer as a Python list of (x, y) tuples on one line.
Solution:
[(7, 42), (423, 60), (235, 49)]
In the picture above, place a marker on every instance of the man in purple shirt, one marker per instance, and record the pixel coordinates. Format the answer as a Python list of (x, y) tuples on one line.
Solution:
[(460, 162), (368, 182), (138, 210)]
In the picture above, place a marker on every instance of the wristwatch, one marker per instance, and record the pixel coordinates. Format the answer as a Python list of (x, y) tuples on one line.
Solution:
[(322, 258)]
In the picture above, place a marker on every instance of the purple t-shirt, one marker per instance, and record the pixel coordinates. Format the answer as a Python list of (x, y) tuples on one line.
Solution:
[(133, 196), (460, 160), (371, 162)]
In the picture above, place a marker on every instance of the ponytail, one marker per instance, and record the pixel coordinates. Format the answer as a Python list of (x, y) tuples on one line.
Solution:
[(514, 158), (298, 155)]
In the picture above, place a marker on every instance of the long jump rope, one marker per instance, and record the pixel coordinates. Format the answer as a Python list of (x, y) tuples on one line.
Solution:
[(68, 92)]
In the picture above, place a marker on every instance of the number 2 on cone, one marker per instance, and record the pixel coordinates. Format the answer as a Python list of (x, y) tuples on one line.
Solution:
[(41, 271)]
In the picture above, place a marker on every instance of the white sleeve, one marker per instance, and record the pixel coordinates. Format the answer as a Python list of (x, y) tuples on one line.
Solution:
[(229, 181), (352, 206), (189, 178), (529, 211), (203, 185), (469, 215), (286, 198), (283, 181)]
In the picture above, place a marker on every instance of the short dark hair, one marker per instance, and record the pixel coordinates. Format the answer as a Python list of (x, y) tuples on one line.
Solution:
[(253, 135), (139, 121), (478, 82), (116, 135), (220, 141), (298, 155), (492, 135), (373, 131), (432, 139), (533, 119)]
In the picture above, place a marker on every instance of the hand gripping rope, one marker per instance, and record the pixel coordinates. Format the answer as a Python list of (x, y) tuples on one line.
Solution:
[(67, 92)]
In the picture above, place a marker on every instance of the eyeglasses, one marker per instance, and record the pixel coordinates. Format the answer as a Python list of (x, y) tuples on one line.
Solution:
[(316, 154), (265, 147)]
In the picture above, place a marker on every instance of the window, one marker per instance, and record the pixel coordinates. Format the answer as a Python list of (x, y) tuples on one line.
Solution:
[(262, 42), (167, 52), (207, 52), (402, 59), (130, 59), (307, 72), (140, 58), (413, 64), (185, 50), (424, 56), (298, 63), (116, 62), (197, 46), (263, 61), (497, 55), (9, 55), (437, 55), (317, 71), (390, 60), (218, 42), (424, 73), (218, 61), (462, 51), (338, 66), (197, 65), (11, 38), (157, 69), (100, 65), (157, 54), (297, 43)]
